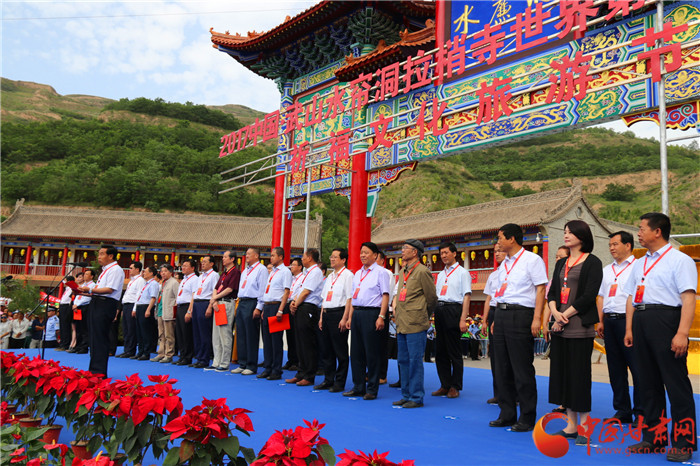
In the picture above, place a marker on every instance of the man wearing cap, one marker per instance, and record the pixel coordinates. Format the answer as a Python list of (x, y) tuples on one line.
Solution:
[(413, 305), (660, 310), (51, 332), (523, 279), (453, 288)]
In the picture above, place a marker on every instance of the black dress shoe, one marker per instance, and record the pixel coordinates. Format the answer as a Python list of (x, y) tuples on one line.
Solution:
[(395, 384), (370, 396), (274, 377), (353, 393), (521, 427), (679, 455), (192, 364), (400, 402), (136, 356), (200, 365), (263, 375), (82, 351), (71, 350), (624, 419), (567, 434), (644, 447), (335, 389), (412, 404), (124, 355), (143, 357), (501, 423), (323, 386), (492, 401)]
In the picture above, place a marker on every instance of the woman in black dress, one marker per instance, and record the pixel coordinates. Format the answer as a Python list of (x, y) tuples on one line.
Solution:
[(572, 304)]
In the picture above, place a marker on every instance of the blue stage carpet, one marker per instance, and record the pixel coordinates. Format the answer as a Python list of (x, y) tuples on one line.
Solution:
[(444, 432)]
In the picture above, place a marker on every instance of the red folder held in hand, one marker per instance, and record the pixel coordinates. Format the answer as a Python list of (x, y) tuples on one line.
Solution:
[(278, 326), (220, 317)]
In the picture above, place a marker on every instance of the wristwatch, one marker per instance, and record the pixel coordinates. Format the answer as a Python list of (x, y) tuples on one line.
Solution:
[(382, 317)]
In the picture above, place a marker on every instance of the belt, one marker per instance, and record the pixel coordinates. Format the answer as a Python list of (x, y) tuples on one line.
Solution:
[(448, 303), (269, 303), (183, 304), (614, 315), (226, 300), (201, 300), (366, 308), (655, 307), (333, 309), (248, 299), (514, 307)]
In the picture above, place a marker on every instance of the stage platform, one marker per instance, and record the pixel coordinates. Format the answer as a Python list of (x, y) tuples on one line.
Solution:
[(443, 432)]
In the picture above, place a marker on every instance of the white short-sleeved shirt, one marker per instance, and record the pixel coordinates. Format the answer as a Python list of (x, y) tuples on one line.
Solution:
[(339, 287), (392, 283), (492, 287), (132, 289), (527, 271), (205, 285), (279, 280), (188, 287), (455, 282), (83, 300), (665, 281), (313, 281), (150, 289), (253, 283), (615, 274), (65, 299), (112, 276)]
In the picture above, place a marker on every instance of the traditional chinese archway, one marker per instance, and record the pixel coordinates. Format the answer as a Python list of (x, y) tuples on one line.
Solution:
[(371, 88)]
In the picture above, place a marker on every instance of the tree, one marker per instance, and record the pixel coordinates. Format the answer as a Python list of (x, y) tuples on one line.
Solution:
[(617, 192)]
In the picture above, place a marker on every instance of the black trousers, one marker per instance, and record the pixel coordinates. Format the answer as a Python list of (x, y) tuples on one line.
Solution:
[(448, 353), (129, 329), (144, 329), (273, 346), (492, 350), (515, 373), (82, 329), (384, 351), (336, 348), (114, 333), (247, 334), (291, 336), (183, 333), (65, 319), (653, 332), (102, 312), (307, 316), (620, 358), (365, 345)]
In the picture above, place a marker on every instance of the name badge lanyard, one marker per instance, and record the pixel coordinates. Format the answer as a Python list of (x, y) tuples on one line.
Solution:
[(182, 286), (201, 283), (613, 287), (565, 290), (502, 290), (144, 287), (308, 272), (223, 277), (248, 275), (269, 280), (330, 292), (362, 277), (402, 293), (443, 291), (639, 295), (104, 272)]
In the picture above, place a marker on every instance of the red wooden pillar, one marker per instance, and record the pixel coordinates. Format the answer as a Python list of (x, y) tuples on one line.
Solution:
[(137, 257), (27, 258), (359, 230), (278, 212), (545, 255), (63, 270), (172, 258)]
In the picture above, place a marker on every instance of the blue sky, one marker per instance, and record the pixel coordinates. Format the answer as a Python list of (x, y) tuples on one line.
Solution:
[(150, 49)]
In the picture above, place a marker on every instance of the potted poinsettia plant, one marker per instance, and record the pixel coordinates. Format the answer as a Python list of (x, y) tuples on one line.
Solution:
[(350, 458), (302, 445), (207, 437)]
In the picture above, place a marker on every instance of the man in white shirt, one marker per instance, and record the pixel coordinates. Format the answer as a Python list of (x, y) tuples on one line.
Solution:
[(661, 293), (523, 279), (337, 299), (384, 361), (250, 304), (306, 309), (490, 306), (275, 299), (297, 269), (65, 312), (81, 303), (135, 284), (454, 289), (612, 302), (201, 323), (106, 295), (183, 318), (20, 325)]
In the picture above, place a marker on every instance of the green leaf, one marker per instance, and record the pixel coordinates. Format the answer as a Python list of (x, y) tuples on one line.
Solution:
[(327, 453), (94, 444), (129, 428), (107, 424), (120, 430), (173, 457), (42, 404), (34, 433), (129, 446), (229, 445), (248, 454), (186, 450), (145, 434)]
